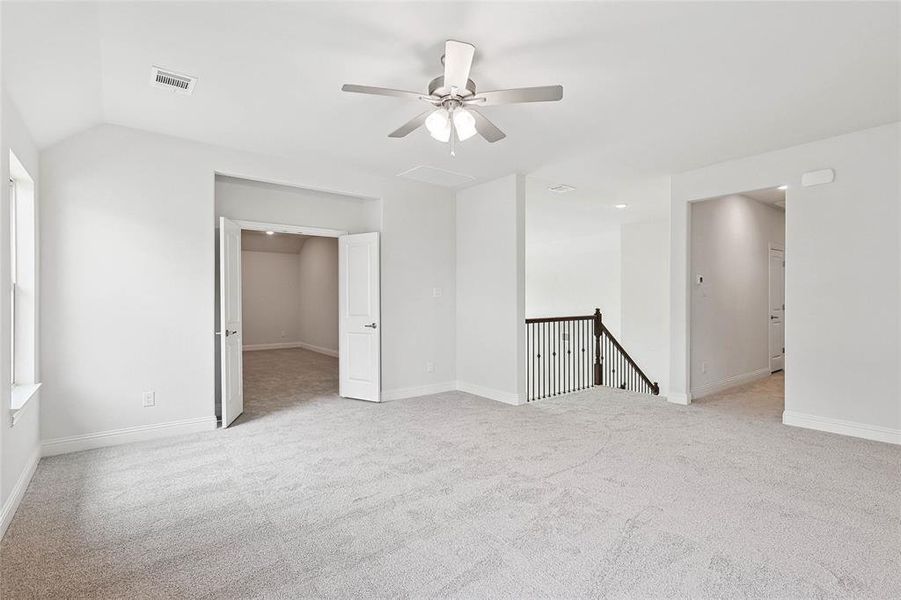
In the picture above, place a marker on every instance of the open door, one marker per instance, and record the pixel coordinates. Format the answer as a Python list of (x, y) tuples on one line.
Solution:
[(359, 333), (777, 310), (232, 367)]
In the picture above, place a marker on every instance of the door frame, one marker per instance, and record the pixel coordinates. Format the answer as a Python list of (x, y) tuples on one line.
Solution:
[(283, 228), (769, 330), (244, 224)]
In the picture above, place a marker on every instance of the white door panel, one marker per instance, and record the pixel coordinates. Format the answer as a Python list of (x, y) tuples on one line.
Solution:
[(359, 322), (777, 309), (230, 330)]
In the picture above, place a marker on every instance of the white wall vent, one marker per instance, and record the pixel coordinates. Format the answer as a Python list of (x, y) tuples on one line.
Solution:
[(561, 189), (169, 80)]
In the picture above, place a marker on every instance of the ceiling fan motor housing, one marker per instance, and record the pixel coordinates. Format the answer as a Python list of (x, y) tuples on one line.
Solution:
[(436, 88)]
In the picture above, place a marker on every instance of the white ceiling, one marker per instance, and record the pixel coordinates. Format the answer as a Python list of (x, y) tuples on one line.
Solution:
[(650, 88), (283, 243)]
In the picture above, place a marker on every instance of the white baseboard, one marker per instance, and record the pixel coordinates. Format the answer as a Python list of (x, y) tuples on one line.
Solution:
[(684, 399), (319, 349), (282, 345), (276, 346), (729, 382), (18, 491), (114, 437), (851, 428), (421, 390), (491, 394)]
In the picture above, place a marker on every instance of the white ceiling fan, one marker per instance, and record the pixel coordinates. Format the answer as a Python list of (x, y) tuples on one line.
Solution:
[(454, 115)]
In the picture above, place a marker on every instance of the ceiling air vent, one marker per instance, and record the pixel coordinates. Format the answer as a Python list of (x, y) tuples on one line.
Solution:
[(561, 189), (169, 80)]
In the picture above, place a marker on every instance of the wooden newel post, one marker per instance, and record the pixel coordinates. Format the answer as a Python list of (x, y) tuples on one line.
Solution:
[(598, 329)]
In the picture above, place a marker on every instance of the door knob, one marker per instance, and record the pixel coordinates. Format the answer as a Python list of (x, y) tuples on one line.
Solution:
[(371, 325)]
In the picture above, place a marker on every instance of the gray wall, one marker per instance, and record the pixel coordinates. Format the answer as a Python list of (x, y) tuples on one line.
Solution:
[(730, 239)]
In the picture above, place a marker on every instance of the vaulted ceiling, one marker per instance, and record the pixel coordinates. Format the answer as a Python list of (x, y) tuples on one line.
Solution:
[(649, 88)]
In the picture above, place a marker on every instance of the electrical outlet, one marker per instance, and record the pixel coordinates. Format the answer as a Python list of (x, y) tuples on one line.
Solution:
[(149, 399), (704, 367), (282, 335), (430, 367), (436, 292)]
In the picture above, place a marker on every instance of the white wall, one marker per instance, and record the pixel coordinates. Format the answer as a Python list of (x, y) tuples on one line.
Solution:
[(292, 298), (248, 200), (574, 276), (270, 298), (491, 289), (318, 293), (645, 297), (128, 258), (843, 329), (19, 443), (730, 241)]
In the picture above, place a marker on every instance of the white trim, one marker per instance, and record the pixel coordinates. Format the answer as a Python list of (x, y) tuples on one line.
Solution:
[(18, 491), (21, 400), (683, 399), (282, 228), (850, 428), (492, 394), (769, 291), (275, 346), (417, 391), (113, 437), (729, 382), (283, 345), (319, 349), (21, 393)]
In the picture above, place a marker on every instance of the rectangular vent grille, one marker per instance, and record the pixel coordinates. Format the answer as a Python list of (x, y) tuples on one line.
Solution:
[(561, 189), (177, 82)]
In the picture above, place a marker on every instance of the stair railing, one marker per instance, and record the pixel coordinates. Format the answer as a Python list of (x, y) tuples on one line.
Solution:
[(568, 354)]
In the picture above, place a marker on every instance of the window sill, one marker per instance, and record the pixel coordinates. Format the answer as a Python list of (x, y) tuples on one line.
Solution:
[(21, 396)]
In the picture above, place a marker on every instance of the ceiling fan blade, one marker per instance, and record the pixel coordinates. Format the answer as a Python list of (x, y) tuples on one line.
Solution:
[(379, 91), (486, 128), (410, 126), (545, 93), (457, 63)]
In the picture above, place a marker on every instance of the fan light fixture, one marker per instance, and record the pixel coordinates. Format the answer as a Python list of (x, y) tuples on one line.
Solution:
[(464, 123), (455, 103), (438, 124)]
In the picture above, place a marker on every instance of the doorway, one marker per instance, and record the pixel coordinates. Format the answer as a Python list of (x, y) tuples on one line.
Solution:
[(334, 311), (737, 297)]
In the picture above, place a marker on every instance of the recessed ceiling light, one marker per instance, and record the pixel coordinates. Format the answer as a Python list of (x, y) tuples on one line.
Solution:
[(270, 233), (561, 189), (783, 187), (620, 206)]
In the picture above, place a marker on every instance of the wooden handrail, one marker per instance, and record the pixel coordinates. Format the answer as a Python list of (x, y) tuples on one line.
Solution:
[(571, 353), (558, 319), (651, 384)]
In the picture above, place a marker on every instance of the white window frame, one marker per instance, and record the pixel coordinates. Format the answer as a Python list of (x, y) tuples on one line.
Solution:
[(13, 273), (23, 380)]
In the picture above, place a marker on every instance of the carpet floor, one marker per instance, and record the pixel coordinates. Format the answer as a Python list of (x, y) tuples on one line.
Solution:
[(596, 494)]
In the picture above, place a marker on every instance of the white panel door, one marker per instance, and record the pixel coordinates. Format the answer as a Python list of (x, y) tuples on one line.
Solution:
[(777, 310), (230, 321), (359, 328)]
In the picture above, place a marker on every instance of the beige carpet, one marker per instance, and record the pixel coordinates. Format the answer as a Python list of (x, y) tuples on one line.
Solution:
[(597, 494)]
